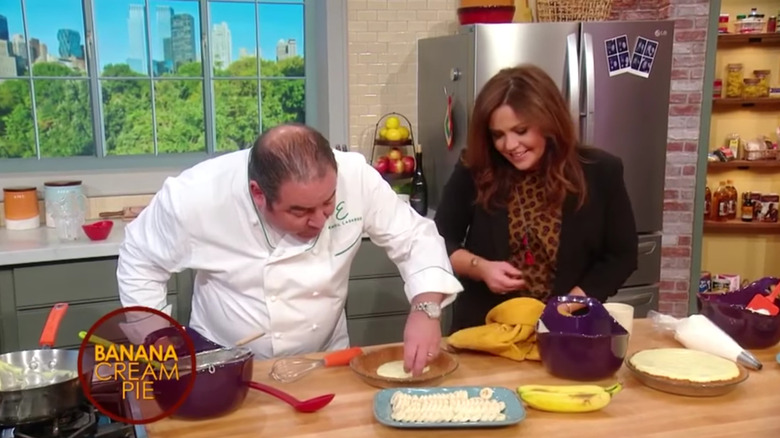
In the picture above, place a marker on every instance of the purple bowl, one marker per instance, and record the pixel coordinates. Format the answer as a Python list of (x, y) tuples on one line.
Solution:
[(216, 391), (585, 348), (752, 331)]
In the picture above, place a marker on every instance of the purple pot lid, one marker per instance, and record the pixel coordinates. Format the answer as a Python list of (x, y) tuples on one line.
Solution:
[(597, 322)]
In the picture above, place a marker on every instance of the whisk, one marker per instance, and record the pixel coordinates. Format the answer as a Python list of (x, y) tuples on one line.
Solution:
[(291, 369)]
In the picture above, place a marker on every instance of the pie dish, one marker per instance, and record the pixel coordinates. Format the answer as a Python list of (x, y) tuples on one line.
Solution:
[(686, 372)]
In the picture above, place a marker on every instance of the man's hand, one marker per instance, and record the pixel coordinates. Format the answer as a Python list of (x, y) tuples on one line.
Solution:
[(422, 340)]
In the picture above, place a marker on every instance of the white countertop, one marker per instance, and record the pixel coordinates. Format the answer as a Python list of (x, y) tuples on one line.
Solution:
[(42, 245)]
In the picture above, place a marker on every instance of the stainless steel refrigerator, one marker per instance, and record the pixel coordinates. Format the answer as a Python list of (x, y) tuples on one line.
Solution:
[(616, 78)]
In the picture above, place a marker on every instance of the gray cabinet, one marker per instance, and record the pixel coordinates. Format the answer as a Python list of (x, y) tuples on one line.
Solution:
[(28, 292), (642, 298), (376, 307)]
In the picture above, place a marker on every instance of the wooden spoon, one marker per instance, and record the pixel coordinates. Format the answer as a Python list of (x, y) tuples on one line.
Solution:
[(307, 406), (127, 213)]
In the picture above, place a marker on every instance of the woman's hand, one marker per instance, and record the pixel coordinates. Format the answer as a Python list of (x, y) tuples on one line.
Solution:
[(501, 277)]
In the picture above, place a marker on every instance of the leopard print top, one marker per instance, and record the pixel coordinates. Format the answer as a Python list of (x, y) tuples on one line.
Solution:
[(528, 213)]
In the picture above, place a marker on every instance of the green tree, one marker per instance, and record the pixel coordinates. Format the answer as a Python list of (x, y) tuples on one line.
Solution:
[(65, 119)]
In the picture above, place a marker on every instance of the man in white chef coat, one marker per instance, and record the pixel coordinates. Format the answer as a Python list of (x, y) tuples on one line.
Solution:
[(271, 233)]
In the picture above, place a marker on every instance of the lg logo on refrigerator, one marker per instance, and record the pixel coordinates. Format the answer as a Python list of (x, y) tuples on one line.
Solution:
[(659, 32)]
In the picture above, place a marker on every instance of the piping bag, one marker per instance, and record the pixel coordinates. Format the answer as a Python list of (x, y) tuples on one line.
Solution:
[(697, 332)]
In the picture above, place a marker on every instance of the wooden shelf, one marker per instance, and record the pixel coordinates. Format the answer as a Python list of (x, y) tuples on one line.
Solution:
[(749, 38), (742, 227), (743, 164), (737, 103)]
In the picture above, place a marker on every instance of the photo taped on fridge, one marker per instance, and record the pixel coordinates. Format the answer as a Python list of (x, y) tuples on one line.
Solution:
[(617, 55), (643, 56)]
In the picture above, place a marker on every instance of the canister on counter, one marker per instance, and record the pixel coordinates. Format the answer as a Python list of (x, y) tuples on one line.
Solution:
[(705, 282), (769, 204), (20, 205), (55, 191)]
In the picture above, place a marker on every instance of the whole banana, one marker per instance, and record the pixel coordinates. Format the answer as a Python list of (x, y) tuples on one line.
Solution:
[(567, 398)]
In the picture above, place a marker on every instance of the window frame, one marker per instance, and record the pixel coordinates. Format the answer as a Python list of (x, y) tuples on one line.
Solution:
[(325, 52)]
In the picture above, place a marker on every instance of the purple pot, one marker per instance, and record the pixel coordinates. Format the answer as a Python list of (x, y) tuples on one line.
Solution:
[(217, 391), (752, 331), (584, 348)]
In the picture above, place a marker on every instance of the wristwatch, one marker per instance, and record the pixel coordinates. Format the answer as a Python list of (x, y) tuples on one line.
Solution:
[(433, 310)]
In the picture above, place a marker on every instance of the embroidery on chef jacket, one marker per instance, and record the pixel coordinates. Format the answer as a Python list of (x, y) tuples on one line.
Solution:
[(341, 216)]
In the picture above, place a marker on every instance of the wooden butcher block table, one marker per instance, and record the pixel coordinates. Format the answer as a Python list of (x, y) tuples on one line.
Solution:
[(750, 411)]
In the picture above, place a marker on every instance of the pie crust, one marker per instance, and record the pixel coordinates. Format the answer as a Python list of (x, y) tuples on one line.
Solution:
[(680, 365)]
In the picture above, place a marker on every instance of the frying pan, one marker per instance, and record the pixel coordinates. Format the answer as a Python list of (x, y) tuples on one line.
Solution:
[(44, 383)]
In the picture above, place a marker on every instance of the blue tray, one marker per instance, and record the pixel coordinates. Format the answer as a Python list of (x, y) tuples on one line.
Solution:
[(514, 410)]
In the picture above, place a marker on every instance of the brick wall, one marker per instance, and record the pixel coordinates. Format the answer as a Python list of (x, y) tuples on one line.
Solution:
[(382, 55), (691, 19), (382, 78)]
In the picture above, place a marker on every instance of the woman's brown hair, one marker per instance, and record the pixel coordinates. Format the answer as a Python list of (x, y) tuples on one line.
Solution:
[(533, 95)]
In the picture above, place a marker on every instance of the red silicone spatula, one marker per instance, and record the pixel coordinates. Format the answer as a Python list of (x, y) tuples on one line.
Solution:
[(760, 302)]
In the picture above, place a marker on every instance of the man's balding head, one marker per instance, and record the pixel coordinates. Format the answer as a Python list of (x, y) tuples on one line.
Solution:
[(292, 179), (289, 152)]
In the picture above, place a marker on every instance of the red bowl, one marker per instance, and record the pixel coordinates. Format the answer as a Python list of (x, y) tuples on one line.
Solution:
[(98, 230), (486, 15)]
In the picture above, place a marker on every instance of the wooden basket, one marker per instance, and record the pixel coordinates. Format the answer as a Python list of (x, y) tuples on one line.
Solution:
[(573, 10)]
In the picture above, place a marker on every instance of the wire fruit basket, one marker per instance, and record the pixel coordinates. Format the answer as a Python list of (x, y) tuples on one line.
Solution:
[(392, 154), (573, 10)]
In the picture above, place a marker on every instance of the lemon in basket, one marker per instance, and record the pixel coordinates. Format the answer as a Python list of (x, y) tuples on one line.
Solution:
[(392, 122), (393, 134)]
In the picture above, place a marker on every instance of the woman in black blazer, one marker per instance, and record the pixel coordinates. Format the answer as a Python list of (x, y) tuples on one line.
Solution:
[(528, 211)]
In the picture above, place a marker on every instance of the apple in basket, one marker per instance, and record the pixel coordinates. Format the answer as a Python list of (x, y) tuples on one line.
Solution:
[(382, 165)]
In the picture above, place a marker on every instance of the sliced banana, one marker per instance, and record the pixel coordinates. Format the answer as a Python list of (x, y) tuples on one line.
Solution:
[(448, 407)]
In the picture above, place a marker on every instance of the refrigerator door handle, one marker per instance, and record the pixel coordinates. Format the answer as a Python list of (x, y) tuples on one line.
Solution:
[(572, 80), (589, 97)]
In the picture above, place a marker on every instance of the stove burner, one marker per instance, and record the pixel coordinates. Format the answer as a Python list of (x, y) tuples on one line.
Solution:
[(72, 425), (84, 423)]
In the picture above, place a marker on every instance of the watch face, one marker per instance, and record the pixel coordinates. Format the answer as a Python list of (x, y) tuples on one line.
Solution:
[(432, 310)]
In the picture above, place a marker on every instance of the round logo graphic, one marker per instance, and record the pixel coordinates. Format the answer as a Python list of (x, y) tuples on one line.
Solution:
[(135, 365)]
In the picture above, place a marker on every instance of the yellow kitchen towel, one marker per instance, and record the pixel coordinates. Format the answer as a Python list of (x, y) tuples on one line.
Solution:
[(509, 331)]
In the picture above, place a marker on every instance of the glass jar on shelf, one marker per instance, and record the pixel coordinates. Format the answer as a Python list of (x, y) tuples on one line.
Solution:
[(734, 78), (763, 82), (750, 89)]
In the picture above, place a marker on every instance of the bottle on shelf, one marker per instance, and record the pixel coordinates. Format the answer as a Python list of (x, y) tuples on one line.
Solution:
[(720, 203), (419, 195), (707, 203), (747, 207), (733, 196)]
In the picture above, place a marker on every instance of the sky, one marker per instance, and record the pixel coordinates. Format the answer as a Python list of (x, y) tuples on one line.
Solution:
[(44, 17)]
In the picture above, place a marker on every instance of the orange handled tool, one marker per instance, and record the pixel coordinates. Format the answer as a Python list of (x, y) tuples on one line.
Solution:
[(765, 305), (289, 370)]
